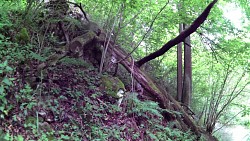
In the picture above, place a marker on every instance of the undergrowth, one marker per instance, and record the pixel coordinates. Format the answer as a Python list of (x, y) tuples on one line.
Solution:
[(64, 102)]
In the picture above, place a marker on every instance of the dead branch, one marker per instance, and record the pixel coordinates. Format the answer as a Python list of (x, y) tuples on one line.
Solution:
[(197, 23)]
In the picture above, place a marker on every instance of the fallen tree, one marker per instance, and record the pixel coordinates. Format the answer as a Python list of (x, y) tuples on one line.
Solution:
[(165, 100)]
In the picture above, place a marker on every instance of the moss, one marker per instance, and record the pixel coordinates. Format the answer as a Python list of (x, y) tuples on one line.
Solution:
[(81, 41), (154, 86), (151, 83), (23, 36), (111, 85)]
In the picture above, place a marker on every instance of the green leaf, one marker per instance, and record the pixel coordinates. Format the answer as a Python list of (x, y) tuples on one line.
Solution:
[(11, 79), (7, 81), (152, 136), (2, 108), (5, 63), (65, 137), (7, 136), (1, 90), (8, 69), (37, 56), (2, 36), (19, 138)]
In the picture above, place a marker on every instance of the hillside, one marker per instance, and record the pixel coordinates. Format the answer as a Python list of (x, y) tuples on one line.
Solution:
[(67, 76), (52, 90)]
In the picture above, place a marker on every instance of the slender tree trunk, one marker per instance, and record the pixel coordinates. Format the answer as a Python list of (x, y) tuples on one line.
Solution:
[(179, 67), (187, 82)]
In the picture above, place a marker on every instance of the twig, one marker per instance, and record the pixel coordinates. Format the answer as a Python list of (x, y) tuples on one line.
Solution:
[(102, 102), (182, 104), (80, 6), (144, 36), (106, 47), (213, 50), (228, 121), (132, 18)]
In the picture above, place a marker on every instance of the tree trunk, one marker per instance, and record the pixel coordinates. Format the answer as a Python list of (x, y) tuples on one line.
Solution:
[(187, 82), (179, 67)]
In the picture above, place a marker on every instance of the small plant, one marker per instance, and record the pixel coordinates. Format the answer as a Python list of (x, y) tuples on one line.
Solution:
[(151, 112), (175, 134), (5, 84), (142, 108)]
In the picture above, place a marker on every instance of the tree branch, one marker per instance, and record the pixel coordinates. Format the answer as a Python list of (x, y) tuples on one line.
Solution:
[(197, 23), (80, 6)]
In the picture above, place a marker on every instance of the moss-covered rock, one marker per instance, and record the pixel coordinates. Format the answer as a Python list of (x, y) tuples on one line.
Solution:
[(111, 85)]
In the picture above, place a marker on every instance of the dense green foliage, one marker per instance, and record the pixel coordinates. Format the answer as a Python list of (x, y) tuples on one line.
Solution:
[(221, 71), (220, 49)]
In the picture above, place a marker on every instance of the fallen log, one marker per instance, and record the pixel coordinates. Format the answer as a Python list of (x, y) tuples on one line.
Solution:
[(165, 100)]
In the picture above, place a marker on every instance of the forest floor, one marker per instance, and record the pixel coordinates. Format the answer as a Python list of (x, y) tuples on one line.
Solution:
[(67, 104)]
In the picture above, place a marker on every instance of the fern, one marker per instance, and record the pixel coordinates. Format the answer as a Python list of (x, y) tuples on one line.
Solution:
[(37, 56), (152, 136), (143, 107)]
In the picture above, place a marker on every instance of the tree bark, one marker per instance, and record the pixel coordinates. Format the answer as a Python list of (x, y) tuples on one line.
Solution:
[(180, 38), (179, 67), (187, 82)]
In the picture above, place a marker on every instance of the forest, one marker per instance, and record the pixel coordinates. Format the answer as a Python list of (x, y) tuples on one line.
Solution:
[(124, 70)]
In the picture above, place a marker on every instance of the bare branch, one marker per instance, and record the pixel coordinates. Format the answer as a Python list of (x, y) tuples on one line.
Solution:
[(197, 23)]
